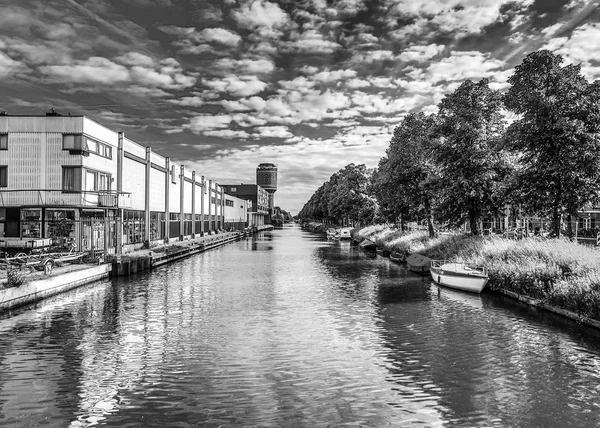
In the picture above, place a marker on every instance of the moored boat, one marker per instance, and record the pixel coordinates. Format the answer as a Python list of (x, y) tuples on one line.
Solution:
[(382, 251), (344, 233), (459, 275), (418, 263), (332, 233), (397, 257), (367, 244)]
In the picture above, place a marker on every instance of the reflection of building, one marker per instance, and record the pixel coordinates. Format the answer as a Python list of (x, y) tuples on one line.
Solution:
[(266, 177), (69, 180), (254, 193)]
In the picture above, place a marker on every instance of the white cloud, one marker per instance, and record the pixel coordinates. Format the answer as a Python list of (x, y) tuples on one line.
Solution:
[(245, 66), (264, 17), (579, 49), (310, 41), (206, 122), (459, 17), (421, 52), (272, 132), (194, 101), (93, 70), (227, 134), (463, 65), (221, 36), (238, 86), (9, 66), (328, 76), (136, 58)]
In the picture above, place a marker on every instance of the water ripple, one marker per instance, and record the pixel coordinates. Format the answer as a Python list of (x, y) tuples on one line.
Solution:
[(291, 330)]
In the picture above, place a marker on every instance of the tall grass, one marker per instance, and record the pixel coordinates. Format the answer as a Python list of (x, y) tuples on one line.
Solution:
[(557, 271)]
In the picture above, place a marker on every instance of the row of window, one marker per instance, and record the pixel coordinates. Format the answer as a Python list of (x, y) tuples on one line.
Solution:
[(74, 143), (78, 143), (95, 181)]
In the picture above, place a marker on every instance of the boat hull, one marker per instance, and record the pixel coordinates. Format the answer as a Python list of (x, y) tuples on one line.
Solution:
[(466, 282), (418, 263)]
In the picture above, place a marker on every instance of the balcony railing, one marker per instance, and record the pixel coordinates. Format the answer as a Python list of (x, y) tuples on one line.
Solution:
[(47, 197)]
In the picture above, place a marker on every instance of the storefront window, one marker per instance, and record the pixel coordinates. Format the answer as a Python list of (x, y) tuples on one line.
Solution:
[(134, 227), (31, 224), (60, 226)]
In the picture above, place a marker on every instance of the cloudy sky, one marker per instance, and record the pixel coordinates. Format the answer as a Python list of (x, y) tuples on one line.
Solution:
[(311, 85)]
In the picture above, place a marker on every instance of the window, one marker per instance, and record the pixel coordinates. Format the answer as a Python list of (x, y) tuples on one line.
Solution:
[(103, 182), (3, 141), (98, 148), (71, 178), (74, 143), (96, 181), (3, 176), (233, 189), (79, 144)]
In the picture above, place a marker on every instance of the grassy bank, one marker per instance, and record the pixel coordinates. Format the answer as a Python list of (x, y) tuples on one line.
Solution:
[(563, 274)]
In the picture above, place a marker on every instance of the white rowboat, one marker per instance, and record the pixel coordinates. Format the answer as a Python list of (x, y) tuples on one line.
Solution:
[(458, 275)]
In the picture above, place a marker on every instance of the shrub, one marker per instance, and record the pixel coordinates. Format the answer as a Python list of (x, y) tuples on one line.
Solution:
[(15, 277)]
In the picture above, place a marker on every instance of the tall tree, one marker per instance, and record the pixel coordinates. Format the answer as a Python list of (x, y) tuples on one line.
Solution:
[(405, 172), (468, 157), (557, 135)]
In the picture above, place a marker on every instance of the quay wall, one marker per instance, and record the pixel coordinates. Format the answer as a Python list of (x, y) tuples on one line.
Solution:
[(40, 289)]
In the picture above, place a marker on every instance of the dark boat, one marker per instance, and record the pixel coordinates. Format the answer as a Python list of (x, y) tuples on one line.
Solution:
[(382, 252), (367, 245), (418, 263), (397, 257)]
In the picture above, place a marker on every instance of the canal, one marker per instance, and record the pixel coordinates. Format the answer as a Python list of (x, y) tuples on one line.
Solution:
[(287, 329)]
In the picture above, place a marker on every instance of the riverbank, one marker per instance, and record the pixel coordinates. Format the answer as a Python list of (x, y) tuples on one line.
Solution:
[(554, 274)]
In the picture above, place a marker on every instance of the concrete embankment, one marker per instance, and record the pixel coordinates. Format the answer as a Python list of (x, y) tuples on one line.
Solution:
[(125, 265), (140, 260), (48, 286)]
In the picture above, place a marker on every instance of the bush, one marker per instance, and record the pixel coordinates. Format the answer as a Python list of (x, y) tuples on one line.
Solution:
[(15, 277)]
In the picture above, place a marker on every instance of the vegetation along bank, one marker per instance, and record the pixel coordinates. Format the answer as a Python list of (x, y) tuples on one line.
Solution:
[(555, 272)]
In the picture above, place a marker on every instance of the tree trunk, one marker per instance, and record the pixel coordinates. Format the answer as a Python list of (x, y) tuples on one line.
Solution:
[(474, 217), (556, 214), (569, 227), (429, 215)]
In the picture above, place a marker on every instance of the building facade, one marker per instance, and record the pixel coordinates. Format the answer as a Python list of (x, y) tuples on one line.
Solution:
[(69, 181), (258, 212)]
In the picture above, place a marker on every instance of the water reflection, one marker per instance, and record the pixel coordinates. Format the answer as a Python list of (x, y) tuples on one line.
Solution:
[(290, 329)]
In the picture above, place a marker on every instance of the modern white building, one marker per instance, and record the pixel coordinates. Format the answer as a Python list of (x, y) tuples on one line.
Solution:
[(67, 180)]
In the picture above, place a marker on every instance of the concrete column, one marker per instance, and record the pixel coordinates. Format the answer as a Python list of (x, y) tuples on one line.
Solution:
[(202, 193), (222, 208), (147, 196), (181, 199), (194, 204), (167, 187), (210, 204), (119, 216)]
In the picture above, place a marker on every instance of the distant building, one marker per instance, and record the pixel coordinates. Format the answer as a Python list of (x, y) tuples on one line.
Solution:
[(236, 212), (266, 177), (259, 211)]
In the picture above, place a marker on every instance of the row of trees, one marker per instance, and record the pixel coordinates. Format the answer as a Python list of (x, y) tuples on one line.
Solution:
[(346, 198), (465, 162)]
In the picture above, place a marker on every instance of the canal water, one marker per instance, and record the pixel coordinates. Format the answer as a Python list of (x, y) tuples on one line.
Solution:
[(287, 329)]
